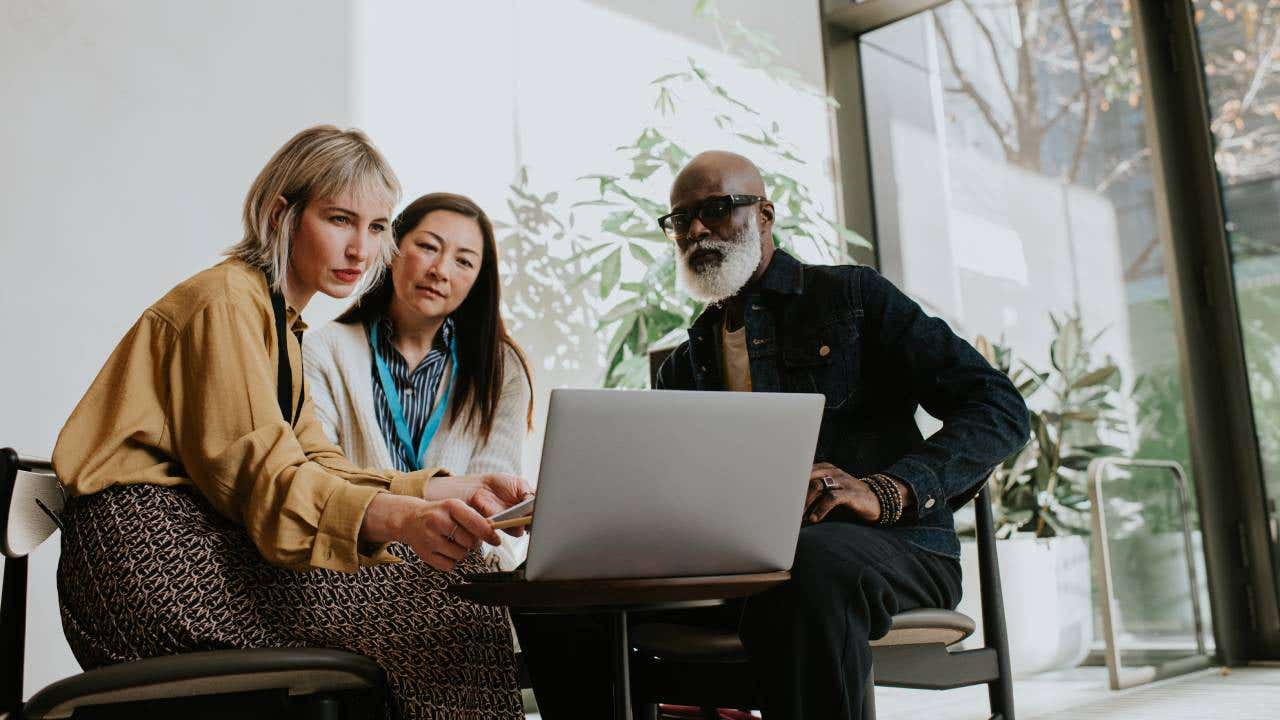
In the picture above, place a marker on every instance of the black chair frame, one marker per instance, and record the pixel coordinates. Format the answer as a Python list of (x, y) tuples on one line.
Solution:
[(269, 683)]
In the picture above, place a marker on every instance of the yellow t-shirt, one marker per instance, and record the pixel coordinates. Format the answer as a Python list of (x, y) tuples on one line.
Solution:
[(736, 365)]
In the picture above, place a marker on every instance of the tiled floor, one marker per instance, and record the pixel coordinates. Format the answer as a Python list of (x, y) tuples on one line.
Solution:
[(1082, 694)]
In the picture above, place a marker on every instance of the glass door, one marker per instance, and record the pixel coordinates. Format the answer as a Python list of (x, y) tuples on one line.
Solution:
[(1013, 196), (1240, 57)]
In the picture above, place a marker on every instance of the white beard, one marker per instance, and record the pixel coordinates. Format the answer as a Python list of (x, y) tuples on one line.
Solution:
[(718, 281)]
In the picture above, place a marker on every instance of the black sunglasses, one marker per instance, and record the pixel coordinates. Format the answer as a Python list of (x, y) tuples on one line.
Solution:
[(676, 224)]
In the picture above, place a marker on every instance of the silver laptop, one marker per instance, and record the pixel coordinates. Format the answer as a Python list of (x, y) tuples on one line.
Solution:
[(671, 483)]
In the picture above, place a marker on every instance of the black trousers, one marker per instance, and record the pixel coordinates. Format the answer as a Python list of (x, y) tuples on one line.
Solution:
[(808, 640)]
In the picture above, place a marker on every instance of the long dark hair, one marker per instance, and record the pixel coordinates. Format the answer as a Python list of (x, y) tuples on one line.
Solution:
[(482, 337)]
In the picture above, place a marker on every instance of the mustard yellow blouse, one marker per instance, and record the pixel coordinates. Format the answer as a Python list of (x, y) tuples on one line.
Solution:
[(189, 397)]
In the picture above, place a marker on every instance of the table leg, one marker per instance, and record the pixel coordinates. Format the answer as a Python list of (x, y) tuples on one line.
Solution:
[(621, 667)]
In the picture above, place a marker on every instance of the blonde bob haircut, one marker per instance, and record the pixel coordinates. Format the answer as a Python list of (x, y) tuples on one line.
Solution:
[(319, 162)]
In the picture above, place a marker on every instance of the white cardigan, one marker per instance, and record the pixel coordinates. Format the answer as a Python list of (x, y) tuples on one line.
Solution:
[(338, 368)]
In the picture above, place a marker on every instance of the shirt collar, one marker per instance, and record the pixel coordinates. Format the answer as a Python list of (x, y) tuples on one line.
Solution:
[(293, 319), (386, 331), (784, 275)]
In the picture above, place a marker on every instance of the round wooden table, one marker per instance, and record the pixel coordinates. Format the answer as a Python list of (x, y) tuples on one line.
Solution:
[(615, 598)]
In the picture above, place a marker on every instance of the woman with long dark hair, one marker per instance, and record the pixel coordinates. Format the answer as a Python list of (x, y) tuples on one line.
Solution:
[(420, 371), (207, 509)]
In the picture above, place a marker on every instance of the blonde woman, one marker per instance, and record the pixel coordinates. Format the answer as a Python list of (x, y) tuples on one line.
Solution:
[(420, 371), (207, 508)]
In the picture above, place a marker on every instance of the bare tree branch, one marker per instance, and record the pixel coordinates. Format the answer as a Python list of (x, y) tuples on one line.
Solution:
[(1029, 134), (1264, 67), (1063, 109), (995, 51), (1122, 169), (966, 87), (1086, 94), (1134, 271)]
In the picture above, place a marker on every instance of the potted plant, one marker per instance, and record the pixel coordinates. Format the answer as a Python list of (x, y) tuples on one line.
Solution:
[(1041, 502)]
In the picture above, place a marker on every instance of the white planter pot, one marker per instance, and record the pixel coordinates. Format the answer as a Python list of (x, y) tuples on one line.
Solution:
[(1047, 605)]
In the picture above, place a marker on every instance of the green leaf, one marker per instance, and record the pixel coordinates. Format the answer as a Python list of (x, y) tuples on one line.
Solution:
[(641, 254), (669, 76), (1066, 346), (610, 272), (627, 307), (1077, 461), (1096, 377), (1102, 450), (662, 321), (585, 253), (619, 336), (849, 236)]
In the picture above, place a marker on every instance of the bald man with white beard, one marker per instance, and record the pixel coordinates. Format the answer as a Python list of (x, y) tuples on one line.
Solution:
[(877, 536)]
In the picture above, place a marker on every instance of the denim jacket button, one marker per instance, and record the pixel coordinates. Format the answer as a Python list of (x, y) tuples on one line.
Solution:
[(824, 351), (928, 504), (759, 341)]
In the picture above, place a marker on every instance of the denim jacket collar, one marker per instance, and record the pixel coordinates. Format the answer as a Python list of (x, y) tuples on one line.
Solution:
[(785, 275)]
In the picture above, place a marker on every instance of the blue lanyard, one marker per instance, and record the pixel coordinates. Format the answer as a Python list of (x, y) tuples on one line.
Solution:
[(397, 412)]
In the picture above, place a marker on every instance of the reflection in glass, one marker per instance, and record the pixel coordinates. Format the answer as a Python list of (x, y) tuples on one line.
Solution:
[(1014, 198), (1240, 49)]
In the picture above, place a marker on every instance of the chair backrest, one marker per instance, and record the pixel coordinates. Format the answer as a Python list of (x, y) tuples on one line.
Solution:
[(30, 500)]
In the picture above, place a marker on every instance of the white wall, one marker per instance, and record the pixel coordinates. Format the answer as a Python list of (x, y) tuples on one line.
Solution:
[(139, 126), (131, 132), (461, 98)]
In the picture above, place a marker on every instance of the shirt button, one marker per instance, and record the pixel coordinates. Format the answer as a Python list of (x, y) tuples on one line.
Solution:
[(409, 392), (824, 351), (928, 504)]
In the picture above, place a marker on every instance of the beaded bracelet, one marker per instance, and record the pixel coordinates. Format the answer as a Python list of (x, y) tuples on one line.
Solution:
[(890, 499), (898, 503)]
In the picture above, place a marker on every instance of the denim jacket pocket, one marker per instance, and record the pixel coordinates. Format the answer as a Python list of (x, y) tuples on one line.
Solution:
[(821, 360)]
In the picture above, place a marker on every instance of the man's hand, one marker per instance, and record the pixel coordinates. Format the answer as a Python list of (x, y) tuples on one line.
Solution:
[(850, 492), (487, 494)]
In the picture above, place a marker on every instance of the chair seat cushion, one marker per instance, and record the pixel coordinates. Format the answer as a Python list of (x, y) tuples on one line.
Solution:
[(688, 643), (299, 671), (927, 626)]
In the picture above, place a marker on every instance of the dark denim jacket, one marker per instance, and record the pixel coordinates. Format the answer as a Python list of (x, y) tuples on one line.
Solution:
[(848, 333)]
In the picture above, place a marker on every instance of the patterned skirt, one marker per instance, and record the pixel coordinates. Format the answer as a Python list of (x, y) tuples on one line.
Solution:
[(148, 570)]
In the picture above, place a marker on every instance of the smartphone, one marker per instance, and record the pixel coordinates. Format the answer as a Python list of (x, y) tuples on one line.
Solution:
[(520, 509)]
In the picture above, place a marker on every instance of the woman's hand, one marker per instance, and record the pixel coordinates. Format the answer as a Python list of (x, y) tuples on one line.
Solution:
[(850, 492), (442, 532), (487, 494)]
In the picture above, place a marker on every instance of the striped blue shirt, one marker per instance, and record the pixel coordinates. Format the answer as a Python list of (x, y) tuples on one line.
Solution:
[(417, 388)]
